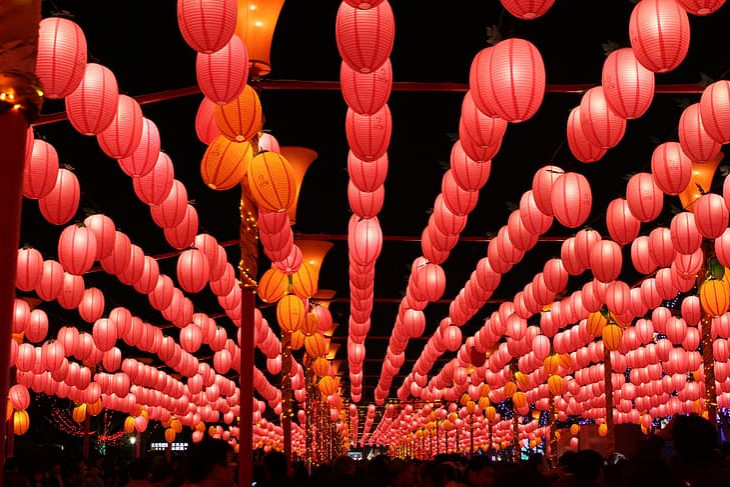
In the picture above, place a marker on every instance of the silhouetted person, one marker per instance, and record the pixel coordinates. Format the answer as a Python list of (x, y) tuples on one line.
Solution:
[(480, 472), (697, 460), (275, 474), (12, 477), (211, 463), (57, 478), (139, 474), (588, 468)]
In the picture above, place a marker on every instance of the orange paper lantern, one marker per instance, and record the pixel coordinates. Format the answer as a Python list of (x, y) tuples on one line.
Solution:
[(21, 422), (304, 281), (612, 336), (272, 183), (316, 346), (290, 313), (224, 163), (715, 296), (273, 285), (240, 119)]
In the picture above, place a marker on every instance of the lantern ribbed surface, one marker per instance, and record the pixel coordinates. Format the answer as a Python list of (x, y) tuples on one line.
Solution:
[(28, 269), (701, 7), (365, 204), (207, 25), (172, 210), (579, 145), (225, 163), (61, 203), (365, 240), (222, 75), (192, 271), (77, 249), (601, 126), (368, 135), (41, 170), (92, 105), (508, 80), (571, 199), (132, 272), (366, 93), (144, 157), (468, 174), (694, 139), (367, 176), (240, 119), (271, 180), (671, 168), (527, 9), (205, 125), (183, 234), (715, 110), (61, 58), (118, 258), (627, 85), (659, 34), (365, 37), (123, 135), (644, 197), (153, 187)]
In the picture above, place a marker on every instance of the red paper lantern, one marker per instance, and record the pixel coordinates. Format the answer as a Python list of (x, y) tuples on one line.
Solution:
[(368, 135), (671, 168), (365, 205), (222, 75), (600, 125), (145, 156), (452, 338), (205, 125), (606, 260), (431, 280), (555, 275), (123, 135), (366, 93), (41, 170), (701, 7), (92, 305), (722, 248), (61, 203), (119, 257), (622, 225), (365, 37), (661, 247), (715, 111), (468, 174), (527, 9), (641, 257), (61, 57), (627, 85), (150, 274), (579, 145), (155, 186), (644, 197), (132, 272), (685, 236), (364, 5), (105, 334), (171, 211), (367, 175), (191, 337), (77, 249), (182, 236), (36, 329), (571, 199), (104, 232), (659, 34), (207, 25), (542, 187), (29, 268), (480, 134), (161, 297), (192, 270), (92, 105), (711, 215), (532, 218), (365, 240), (459, 201), (694, 139), (508, 80)]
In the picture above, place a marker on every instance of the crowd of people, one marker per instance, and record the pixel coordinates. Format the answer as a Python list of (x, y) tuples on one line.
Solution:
[(686, 454)]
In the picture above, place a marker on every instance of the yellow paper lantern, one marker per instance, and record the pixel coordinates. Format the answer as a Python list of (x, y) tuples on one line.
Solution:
[(321, 367), (509, 389), (95, 408), (602, 429), (176, 425), (574, 429), (311, 325), (612, 336), (522, 380), (491, 413), (21, 422), (273, 285), (471, 407), (550, 365), (79, 413), (464, 399), (240, 119), (483, 403), (304, 281), (327, 385), (565, 360), (297, 340), (555, 384), (715, 296), (290, 313), (316, 346), (129, 424), (595, 323), (200, 427), (9, 411), (271, 181), (225, 162), (484, 390), (212, 431), (519, 399), (169, 435)]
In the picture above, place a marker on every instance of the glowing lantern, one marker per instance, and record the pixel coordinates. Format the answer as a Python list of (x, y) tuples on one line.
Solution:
[(19, 396), (711, 215), (61, 56), (155, 186), (222, 75), (105, 334), (671, 168), (571, 199), (255, 26), (224, 163), (61, 203), (41, 170), (365, 205), (304, 281), (206, 25), (79, 413), (273, 285), (29, 269), (600, 125), (316, 346), (327, 385), (192, 270), (644, 197), (135, 268), (627, 85), (612, 336), (605, 260), (123, 135), (365, 240), (205, 127), (479, 134), (701, 7), (290, 313), (172, 210), (92, 105), (182, 236), (659, 34), (579, 144), (527, 9), (240, 119), (92, 305), (272, 183), (300, 158), (715, 296), (77, 249), (169, 435), (105, 233), (36, 329), (366, 93), (713, 108), (685, 236), (542, 187), (368, 135), (365, 37), (701, 182), (191, 337), (144, 157), (555, 385), (508, 80), (694, 139), (21, 422), (468, 174), (320, 367), (367, 175), (95, 408)]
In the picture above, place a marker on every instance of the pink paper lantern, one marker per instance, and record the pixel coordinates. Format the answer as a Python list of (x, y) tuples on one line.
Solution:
[(685, 236), (368, 135), (701, 7), (41, 170), (542, 187), (123, 135), (51, 281), (222, 75), (61, 203), (644, 197), (77, 249), (694, 139), (508, 80), (627, 85), (105, 334), (192, 270), (711, 215), (155, 186), (527, 9), (61, 57), (92, 105), (92, 305), (365, 205), (578, 142), (714, 110), (145, 156), (365, 240), (182, 236), (171, 212), (600, 125), (659, 34), (104, 232), (150, 275), (671, 168), (606, 260), (365, 37), (367, 176), (207, 25), (205, 125), (29, 268), (366, 93), (132, 272), (571, 199), (120, 255), (623, 226)]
